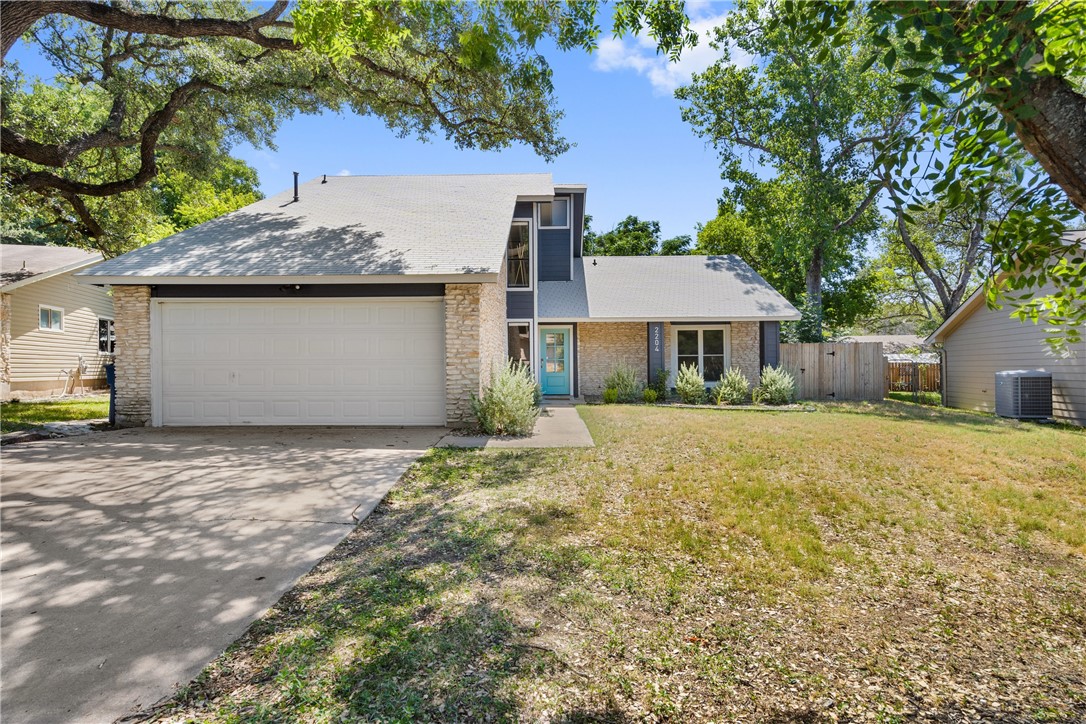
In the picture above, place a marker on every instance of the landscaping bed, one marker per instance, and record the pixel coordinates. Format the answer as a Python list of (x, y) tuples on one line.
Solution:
[(862, 562)]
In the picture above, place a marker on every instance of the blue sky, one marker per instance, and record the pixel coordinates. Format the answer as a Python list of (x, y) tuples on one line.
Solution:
[(632, 149)]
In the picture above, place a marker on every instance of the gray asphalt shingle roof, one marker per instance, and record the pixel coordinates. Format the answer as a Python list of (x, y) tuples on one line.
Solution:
[(663, 288), (379, 225), (22, 261)]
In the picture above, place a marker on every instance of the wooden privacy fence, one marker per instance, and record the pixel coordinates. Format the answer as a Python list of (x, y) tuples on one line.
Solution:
[(913, 376), (836, 370)]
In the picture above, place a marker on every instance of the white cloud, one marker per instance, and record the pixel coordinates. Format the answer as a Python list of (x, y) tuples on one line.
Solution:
[(639, 54), (344, 172)]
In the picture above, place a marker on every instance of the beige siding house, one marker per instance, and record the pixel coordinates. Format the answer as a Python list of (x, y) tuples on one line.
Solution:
[(51, 322), (978, 342)]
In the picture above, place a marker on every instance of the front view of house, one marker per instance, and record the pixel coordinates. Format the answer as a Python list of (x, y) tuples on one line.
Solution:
[(388, 300)]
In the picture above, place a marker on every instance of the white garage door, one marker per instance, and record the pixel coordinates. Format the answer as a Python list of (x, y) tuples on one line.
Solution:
[(329, 362)]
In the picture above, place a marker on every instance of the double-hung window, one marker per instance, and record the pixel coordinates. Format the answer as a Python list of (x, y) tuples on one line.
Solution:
[(107, 336), (518, 254), (50, 319), (704, 347)]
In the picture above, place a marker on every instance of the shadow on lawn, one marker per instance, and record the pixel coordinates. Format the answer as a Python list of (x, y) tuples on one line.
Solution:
[(893, 409), (398, 622)]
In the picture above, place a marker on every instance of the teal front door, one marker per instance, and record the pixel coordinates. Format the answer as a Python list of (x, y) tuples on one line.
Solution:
[(554, 371)]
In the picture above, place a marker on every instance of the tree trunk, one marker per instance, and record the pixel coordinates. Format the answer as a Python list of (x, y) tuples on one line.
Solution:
[(1056, 136), (814, 292)]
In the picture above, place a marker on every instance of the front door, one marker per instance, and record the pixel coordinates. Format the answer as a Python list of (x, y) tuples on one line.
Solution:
[(554, 366)]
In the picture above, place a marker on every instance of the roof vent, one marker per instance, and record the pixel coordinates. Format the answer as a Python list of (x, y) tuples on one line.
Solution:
[(1024, 394), (295, 185)]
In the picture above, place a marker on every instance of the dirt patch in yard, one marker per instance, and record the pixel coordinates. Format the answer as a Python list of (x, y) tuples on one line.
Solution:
[(852, 564)]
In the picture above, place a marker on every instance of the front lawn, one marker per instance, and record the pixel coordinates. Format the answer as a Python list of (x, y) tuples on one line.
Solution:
[(27, 415), (885, 562)]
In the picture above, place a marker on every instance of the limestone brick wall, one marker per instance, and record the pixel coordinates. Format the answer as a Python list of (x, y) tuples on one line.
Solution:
[(602, 345), (461, 351), (492, 327), (132, 317), (5, 345), (744, 349)]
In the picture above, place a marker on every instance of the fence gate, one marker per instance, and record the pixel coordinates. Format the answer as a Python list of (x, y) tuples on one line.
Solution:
[(836, 371)]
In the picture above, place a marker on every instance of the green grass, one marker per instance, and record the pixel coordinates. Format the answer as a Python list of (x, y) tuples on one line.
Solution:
[(28, 415), (887, 562), (924, 398)]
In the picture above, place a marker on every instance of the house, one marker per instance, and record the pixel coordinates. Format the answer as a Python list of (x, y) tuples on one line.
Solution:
[(977, 342), (371, 300), (50, 322)]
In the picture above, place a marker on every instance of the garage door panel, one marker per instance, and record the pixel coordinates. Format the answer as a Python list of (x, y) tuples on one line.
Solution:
[(302, 362)]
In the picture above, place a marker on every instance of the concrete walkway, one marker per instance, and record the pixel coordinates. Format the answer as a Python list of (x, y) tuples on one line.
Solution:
[(558, 425), (132, 558)]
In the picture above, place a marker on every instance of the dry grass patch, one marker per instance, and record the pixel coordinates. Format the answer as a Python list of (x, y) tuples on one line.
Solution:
[(857, 562)]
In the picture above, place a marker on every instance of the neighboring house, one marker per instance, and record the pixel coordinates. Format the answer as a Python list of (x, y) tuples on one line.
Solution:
[(892, 344), (50, 321), (977, 342), (373, 300)]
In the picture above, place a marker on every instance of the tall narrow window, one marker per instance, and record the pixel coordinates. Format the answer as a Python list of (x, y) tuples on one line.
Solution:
[(107, 337), (554, 214), (519, 262), (520, 343)]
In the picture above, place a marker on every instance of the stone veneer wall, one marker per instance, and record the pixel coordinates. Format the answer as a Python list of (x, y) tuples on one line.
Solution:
[(744, 353), (132, 356), (5, 345), (602, 345), (474, 343)]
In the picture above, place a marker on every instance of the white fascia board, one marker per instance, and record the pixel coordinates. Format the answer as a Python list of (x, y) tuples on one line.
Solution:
[(668, 319), (46, 275), (489, 278)]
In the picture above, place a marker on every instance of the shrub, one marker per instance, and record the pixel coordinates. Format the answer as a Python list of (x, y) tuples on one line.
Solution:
[(508, 406), (690, 385), (732, 389), (623, 380), (777, 387), (660, 383), (610, 396), (649, 395)]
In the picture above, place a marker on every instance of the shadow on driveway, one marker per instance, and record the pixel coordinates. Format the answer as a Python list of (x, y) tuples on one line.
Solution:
[(132, 558)]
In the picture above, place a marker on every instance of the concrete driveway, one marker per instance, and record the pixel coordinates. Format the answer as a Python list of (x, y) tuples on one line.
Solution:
[(132, 558)]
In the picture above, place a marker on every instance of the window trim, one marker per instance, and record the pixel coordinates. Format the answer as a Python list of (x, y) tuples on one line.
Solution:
[(531, 341), (530, 223), (60, 310), (569, 212), (113, 351), (700, 329)]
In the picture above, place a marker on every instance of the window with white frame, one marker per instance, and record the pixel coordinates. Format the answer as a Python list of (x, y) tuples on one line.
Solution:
[(704, 347), (554, 214), (518, 257), (50, 319), (107, 336), (520, 343)]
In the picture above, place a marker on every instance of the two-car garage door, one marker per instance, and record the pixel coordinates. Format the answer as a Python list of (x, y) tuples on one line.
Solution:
[(327, 362)]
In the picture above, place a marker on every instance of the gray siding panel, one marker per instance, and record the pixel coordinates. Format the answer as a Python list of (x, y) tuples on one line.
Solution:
[(989, 341), (770, 343), (554, 256), (519, 305), (523, 210)]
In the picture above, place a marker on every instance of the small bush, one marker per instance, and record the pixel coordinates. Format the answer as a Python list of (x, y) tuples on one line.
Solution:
[(777, 387), (623, 380), (508, 406), (690, 385), (660, 383), (610, 396), (732, 389), (649, 395)]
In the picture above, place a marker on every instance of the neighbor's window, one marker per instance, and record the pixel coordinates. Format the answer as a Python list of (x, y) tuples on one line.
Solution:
[(554, 214), (520, 343), (519, 267), (51, 319), (703, 347), (107, 337)]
